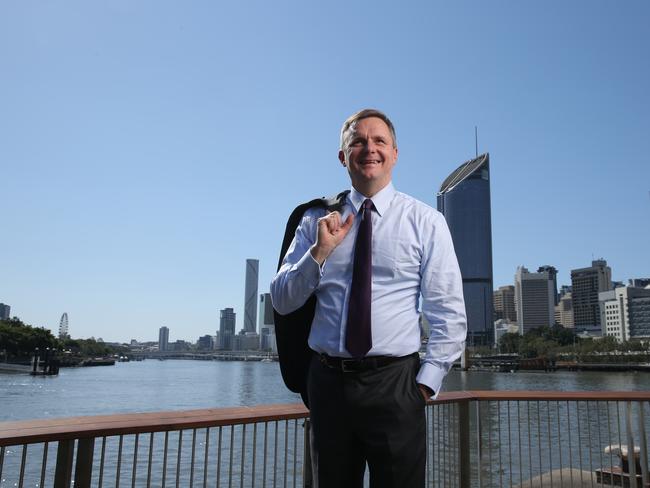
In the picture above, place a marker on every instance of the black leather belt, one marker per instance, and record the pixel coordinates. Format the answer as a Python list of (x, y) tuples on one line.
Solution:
[(350, 365)]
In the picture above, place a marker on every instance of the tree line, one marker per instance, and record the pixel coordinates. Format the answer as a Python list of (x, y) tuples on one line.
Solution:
[(19, 340), (551, 342)]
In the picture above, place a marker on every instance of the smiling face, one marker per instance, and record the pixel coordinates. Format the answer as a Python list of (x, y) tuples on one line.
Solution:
[(370, 154)]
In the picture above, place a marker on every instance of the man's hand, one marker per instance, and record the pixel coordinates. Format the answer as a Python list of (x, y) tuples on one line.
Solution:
[(426, 392), (331, 231)]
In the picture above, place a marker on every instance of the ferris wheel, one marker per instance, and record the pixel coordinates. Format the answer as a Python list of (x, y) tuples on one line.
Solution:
[(63, 326)]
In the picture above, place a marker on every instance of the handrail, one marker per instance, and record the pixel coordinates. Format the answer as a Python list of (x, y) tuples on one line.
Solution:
[(47, 430), (527, 434), (513, 395)]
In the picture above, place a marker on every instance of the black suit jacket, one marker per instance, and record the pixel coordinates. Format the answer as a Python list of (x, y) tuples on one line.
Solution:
[(292, 330)]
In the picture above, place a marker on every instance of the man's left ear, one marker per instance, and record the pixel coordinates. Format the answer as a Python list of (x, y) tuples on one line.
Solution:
[(342, 158)]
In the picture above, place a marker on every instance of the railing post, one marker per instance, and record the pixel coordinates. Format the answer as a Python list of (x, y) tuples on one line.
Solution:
[(631, 458), (464, 474), (643, 446), (307, 477), (63, 472), (84, 466)]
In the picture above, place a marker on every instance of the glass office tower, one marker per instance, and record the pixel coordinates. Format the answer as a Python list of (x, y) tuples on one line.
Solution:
[(464, 200)]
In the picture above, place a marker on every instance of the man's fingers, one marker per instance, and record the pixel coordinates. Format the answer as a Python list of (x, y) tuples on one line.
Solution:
[(334, 222), (331, 221), (347, 224)]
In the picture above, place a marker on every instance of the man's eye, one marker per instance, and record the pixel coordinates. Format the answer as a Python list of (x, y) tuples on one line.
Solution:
[(356, 143)]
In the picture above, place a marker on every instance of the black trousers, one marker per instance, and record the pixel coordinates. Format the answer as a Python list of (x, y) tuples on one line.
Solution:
[(374, 416)]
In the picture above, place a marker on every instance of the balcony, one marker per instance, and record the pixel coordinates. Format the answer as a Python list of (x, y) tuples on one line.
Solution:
[(475, 438)]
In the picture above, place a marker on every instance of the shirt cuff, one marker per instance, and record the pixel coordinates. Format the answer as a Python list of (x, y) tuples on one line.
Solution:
[(431, 376), (309, 269)]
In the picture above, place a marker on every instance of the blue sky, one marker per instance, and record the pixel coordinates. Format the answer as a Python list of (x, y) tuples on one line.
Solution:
[(148, 148)]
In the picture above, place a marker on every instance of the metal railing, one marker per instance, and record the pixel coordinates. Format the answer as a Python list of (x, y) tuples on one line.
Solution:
[(475, 438)]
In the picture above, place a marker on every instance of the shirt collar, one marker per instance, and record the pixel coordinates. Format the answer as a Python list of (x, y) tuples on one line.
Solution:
[(381, 199)]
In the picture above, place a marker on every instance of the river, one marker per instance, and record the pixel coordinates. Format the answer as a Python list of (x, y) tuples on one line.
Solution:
[(153, 385)]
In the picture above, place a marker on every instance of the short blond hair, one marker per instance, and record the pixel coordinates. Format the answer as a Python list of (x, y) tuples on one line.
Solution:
[(352, 120)]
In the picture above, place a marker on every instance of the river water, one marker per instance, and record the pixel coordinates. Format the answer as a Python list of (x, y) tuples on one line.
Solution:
[(512, 431), (152, 385)]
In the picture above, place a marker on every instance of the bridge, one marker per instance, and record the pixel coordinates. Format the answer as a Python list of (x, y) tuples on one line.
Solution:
[(207, 356)]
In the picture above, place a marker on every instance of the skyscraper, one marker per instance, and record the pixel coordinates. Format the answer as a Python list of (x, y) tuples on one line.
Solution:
[(227, 321), (504, 304), (5, 310), (267, 324), (564, 311), (464, 200), (266, 310), (635, 282), (534, 300), (250, 304), (163, 339), (586, 284), (552, 273), (625, 312)]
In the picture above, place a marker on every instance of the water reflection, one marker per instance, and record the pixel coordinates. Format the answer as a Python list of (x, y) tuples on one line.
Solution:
[(177, 385)]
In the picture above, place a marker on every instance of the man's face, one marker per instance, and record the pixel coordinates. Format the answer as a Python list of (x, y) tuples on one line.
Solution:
[(369, 155)]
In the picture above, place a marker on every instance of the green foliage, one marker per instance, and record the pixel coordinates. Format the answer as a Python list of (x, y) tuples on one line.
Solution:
[(87, 347), (541, 342), (550, 341), (19, 340), (509, 343)]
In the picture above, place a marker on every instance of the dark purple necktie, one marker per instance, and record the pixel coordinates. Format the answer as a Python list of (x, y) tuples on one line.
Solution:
[(358, 336)]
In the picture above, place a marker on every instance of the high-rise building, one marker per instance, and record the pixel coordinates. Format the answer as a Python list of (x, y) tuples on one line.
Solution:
[(266, 310), (564, 311), (227, 321), (504, 304), (552, 273), (5, 310), (639, 313), (534, 300), (464, 200), (205, 343), (250, 304), (246, 341), (267, 324), (586, 284), (163, 339), (639, 282), (625, 312)]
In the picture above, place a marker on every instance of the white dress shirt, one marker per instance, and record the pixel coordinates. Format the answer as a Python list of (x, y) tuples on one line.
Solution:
[(413, 258)]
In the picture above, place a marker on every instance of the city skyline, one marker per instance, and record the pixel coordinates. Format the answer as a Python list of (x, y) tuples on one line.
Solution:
[(147, 153), (547, 273)]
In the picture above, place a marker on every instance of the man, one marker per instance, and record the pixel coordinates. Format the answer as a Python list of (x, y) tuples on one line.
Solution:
[(368, 265)]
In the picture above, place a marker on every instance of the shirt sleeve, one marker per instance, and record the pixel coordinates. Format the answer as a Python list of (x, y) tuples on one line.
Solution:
[(443, 306), (299, 274)]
